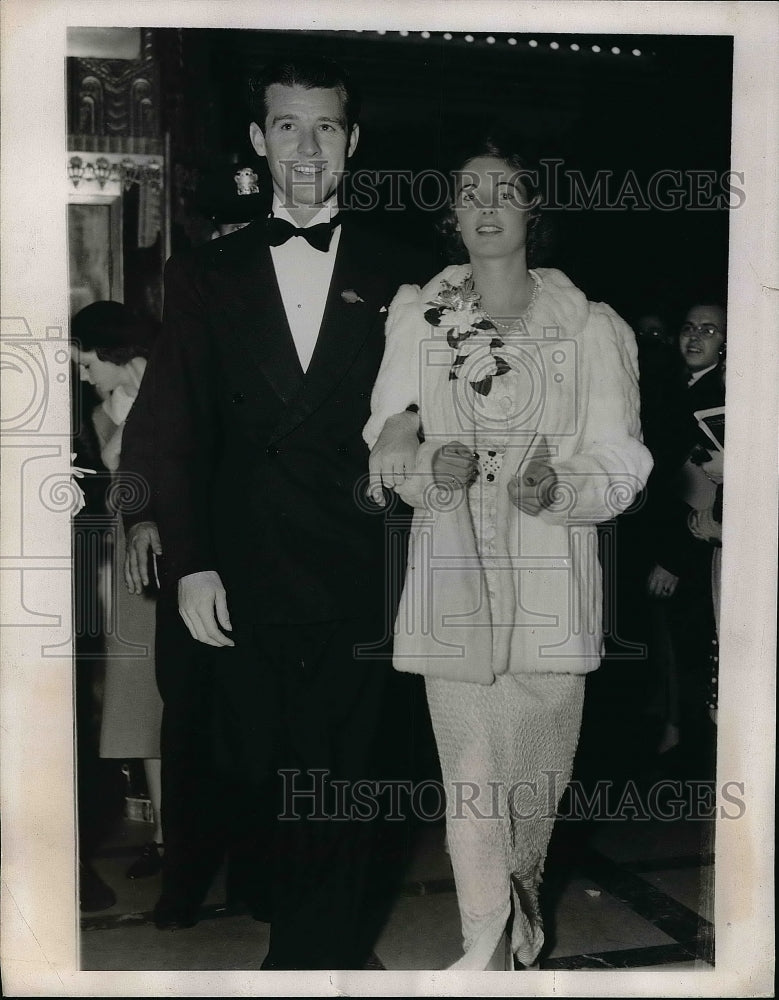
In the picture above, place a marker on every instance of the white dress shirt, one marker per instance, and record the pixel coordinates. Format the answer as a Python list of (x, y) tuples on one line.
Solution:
[(304, 276)]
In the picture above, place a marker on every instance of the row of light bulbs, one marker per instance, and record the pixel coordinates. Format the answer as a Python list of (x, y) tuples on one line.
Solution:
[(533, 43)]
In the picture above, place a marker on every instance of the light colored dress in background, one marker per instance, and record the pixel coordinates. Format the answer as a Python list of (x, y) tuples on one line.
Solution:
[(132, 707)]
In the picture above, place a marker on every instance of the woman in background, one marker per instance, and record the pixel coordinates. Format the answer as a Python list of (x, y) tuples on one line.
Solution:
[(110, 347)]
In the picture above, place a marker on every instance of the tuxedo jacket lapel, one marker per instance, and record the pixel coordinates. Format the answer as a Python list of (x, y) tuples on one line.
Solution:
[(255, 313), (352, 310)]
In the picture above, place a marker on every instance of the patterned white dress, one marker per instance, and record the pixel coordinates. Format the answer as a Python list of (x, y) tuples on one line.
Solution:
[(506, 752)]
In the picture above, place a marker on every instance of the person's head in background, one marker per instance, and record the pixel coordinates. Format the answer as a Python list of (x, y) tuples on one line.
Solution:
[(703, 336), (652, 328), (109, 345), (304, 113)]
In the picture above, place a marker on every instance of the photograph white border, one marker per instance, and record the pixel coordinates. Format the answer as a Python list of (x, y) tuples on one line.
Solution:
[(39, 910)]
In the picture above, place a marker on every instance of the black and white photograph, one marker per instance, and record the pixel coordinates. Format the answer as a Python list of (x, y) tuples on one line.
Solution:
[(386, 599)]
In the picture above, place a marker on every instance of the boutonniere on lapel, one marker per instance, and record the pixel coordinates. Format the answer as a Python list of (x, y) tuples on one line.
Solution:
[(469, 332), (351, 297)]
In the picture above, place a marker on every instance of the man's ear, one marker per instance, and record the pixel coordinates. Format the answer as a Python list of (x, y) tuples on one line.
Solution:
[(258, 139), (354, 135)]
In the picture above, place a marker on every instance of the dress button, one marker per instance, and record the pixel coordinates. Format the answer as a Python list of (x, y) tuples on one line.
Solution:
[(490, 477), (491, 454)]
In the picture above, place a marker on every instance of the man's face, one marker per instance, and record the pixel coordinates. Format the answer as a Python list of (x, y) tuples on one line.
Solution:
[(305, 141), (652, 327), (701, 337)]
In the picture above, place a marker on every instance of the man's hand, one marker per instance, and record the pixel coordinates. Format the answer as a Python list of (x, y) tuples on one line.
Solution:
[(661, 583), (532, 489), (454, 464), (141, 538), (200, 595), (393, 457)]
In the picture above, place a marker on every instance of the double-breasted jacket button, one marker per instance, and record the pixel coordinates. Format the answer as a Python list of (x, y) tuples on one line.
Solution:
[(271, 451), (237, 397)]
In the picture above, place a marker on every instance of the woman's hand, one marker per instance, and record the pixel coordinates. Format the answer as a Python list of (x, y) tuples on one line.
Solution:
[(532, 489), (661, 583), (142, 539), (393, 457), (454, 464)]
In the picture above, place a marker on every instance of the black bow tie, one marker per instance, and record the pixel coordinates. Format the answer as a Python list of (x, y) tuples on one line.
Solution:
[(279, 231)]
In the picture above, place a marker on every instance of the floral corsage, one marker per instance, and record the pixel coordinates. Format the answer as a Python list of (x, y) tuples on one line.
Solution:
[(456, 310)]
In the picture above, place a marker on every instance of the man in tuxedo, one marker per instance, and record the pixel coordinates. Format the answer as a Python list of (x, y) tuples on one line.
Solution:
[(260, 386), (680, 579), (702, 348)]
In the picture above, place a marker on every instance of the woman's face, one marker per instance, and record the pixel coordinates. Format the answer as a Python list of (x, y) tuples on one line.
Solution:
[(491, 207), (105, 376)]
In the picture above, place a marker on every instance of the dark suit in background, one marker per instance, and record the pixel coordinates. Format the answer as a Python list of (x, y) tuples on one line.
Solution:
[(194, 804)]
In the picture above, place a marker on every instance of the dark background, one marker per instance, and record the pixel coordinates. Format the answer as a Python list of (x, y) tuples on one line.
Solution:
[(667, 109)]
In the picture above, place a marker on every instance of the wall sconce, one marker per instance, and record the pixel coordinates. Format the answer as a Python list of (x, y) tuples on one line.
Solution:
[(126, 172), (75, 170), (102, 171), (153, 174)]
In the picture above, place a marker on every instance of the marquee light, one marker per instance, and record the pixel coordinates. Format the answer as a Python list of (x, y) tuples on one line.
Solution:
[(532, 43)]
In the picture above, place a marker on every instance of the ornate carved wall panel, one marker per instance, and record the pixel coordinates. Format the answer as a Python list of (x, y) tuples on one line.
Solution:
[(115, 98)]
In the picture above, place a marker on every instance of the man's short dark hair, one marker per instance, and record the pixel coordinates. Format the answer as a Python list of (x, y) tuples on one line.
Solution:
[(303, 71), (718, 300)]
